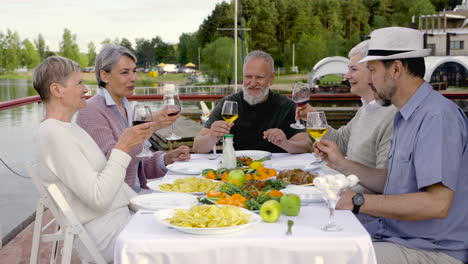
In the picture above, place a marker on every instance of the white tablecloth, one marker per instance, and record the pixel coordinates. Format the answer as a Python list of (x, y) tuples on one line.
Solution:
[(144, 240)]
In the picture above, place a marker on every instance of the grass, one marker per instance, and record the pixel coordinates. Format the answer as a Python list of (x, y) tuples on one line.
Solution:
[(16, 75)]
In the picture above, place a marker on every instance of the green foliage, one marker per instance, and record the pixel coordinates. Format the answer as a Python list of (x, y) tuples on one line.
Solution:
[(91, 54), (29, 55), (41, 46), (311, 49), (188, 48), (218, 60), (10, 48), (69, 46), (83, 60), (126, 43)]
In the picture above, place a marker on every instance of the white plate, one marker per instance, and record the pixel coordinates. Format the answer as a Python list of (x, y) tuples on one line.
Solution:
[(294, 164), (253, 154), (158, 201), (161, 215), (308, 194), (155, 186), (190, 168)]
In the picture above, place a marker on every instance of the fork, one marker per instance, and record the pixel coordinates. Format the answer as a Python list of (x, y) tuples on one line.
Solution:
[(290, 224)]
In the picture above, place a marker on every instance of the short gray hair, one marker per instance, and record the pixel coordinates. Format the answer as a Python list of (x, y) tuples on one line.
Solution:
[(359, 50), (262, 55), (110, 55), (54, 69)]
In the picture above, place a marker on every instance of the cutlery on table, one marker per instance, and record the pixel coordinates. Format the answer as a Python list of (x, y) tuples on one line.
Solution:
[(290, 224)]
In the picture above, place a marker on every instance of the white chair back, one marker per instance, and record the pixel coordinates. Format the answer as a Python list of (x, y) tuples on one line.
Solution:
[(70, 226)]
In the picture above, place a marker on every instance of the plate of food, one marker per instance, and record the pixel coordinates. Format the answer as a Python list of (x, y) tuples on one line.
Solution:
[(191, 185), (207, 219), (296, 176), (190, 168), (158, 201), (253, 154), (308, 194)]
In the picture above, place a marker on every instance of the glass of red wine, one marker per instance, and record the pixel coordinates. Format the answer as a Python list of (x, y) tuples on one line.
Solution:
[(173, 102), (300, 96), (142, 114)]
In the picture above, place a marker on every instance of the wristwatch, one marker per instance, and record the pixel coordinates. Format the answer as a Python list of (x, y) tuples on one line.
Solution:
[(358, 200)]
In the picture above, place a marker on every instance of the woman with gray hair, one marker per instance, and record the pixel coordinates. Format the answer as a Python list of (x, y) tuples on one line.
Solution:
[(109, 113), (92, 185), (366, 138)]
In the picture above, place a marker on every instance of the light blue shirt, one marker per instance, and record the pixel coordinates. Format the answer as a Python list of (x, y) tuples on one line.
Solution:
[(129, 109), (429, 146)]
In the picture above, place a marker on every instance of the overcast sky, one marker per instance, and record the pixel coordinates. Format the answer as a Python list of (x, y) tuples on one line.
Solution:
[(96, 20)]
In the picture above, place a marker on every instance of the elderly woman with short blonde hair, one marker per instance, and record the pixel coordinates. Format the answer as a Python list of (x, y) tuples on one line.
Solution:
[(92, 185)]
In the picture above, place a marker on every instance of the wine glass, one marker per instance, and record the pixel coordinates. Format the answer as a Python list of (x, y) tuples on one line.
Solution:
[(317, 127), (142, 114), (173, 102), (230, 112), (300, 96)]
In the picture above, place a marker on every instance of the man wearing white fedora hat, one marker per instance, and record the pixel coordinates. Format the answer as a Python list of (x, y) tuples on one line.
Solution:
[(420, 217)]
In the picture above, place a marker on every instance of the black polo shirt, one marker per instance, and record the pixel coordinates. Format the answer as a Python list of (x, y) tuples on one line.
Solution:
[(278, 111)]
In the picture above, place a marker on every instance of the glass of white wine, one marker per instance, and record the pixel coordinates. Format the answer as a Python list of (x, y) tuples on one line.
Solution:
[(230, 112), (317, 127)]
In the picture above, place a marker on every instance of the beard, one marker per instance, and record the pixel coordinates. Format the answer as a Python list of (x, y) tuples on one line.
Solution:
[(383, 101), (253, 100)]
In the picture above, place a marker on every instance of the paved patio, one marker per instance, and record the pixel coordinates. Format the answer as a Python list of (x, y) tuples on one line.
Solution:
[(18, 250)]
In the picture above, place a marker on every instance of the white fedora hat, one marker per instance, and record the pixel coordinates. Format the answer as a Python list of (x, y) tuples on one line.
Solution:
[(393, 43)]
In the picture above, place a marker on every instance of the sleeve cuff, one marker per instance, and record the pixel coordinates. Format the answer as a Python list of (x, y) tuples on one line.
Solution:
[(161, 162), (120, 157)]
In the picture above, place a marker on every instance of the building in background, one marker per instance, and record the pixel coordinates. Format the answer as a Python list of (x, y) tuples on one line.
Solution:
[(446, 33)]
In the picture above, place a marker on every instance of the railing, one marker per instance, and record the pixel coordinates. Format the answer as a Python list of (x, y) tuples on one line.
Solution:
[(215, 97)]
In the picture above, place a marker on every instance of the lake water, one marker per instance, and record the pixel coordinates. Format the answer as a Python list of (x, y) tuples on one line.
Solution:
[(18, 196)]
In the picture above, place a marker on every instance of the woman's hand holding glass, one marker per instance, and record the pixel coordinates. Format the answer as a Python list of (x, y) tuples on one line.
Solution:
[(134, 136), (163, 118)]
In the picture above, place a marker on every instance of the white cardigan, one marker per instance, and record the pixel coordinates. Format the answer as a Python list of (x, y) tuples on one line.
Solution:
[(91, 185)]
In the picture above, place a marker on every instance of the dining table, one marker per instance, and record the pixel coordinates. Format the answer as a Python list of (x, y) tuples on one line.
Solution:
[(146, 240)]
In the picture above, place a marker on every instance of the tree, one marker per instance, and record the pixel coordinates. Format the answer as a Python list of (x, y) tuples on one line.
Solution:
[(10, 58), (145, 52), (83, 60), (41, 46), (221, 17), (309, 50), (218, 59), (69, 46), (126, 43), (30, 58), (264, 24), (91, 57), (188, 48)]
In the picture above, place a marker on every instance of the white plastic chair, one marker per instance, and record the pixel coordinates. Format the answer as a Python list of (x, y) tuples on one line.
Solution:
[(70, 226)]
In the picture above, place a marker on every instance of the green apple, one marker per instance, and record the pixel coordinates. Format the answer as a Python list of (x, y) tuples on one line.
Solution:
[(290, 204), (270, 211), (236, 177)]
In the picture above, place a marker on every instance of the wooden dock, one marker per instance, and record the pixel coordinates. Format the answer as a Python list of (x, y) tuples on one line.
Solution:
[(183, 127)]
